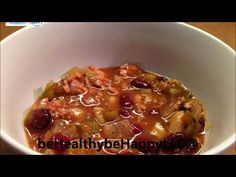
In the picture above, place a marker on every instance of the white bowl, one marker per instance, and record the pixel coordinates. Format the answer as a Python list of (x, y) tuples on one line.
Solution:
[(34, 55)]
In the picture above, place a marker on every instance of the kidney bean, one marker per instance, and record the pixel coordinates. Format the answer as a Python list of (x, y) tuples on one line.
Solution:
[(125, 101), (136, 129), (59, 141), (140, 83), (40, 118), (124, 113)]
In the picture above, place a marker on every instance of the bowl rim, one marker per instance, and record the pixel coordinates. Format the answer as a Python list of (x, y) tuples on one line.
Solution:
[(215, 150)]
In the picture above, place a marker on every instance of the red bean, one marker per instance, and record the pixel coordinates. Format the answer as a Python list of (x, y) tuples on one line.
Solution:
[(143, 145), (40, 118), (174, 143), (192, 145), (59, 141), (202, 124), (153, 112), (136, 129), (126, 102), (126, 153), (140, 83), (125, 113)]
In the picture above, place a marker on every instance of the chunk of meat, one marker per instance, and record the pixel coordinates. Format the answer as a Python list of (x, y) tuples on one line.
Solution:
[(98, 74), (77, 87), (90, 101), (97, 78), (129, 70), (74, 86), (118, 130)]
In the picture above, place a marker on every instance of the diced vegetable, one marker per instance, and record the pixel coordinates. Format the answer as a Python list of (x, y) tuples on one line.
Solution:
[(75, 70), (110, 115), (137, 98), (183, 122), (70, 131), (52, 90), (38, 92), (176, 122), (174, 91), (149, 76), (55, 128), (98, 112), (76, 114), (118, 130), (158, 131), (174, 84), (105, 116), (113, 100), (92, 127)]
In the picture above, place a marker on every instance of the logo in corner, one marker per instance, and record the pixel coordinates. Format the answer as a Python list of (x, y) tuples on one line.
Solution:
[(34, 24)]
